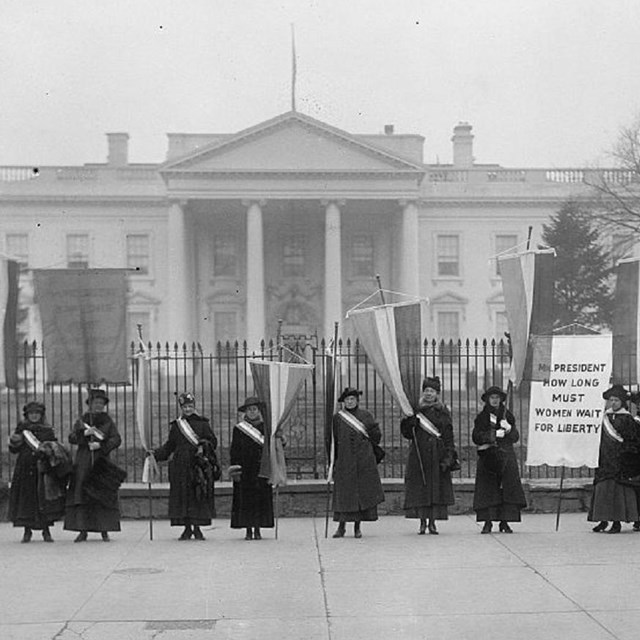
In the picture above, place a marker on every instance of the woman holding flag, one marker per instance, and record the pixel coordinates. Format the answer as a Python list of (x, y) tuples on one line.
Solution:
[(432, 457), (357, 485), (498, 493), (193, 469), (36, 500), (252, 506)]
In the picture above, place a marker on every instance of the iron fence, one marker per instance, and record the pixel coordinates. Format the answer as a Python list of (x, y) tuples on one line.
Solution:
[(222, 380)]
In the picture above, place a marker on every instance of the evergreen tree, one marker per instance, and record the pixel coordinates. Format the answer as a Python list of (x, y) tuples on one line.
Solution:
[(583, 287)]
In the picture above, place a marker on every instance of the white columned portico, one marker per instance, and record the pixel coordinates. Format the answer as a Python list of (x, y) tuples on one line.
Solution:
[(409, 244), (179, 303), (255, 274), (332, 268)]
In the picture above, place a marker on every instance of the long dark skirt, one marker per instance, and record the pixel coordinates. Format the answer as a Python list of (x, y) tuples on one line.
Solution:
[(366, 515), (91, 517), (435, 512), (613, 501), (503, 512)]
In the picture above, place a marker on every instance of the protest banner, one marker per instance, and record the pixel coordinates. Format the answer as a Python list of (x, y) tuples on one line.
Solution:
[(566, 409)]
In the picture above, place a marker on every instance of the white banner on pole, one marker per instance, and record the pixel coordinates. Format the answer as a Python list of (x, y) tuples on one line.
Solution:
[(565, 411)]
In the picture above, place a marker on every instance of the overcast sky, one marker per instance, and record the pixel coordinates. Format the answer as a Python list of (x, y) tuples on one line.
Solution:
[(545, 83)]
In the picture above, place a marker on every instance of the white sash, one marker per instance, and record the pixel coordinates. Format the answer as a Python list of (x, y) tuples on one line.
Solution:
[(504, 423), (427, 425), (94, 431), (31, 439), (609, 428), (251, 431), (353, 422), (187, 431)]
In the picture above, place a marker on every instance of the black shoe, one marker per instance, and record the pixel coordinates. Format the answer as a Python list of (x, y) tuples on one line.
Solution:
[(356, 530), (487, 527), (81, 537), (197, 533), (616, 527), (248, 535), (504, 527), (105, 536), (636, 526), (339, 532), (26, 536), (423, 527), (432, 528), (600, 527), (186, 534), (46, 535), (256, 533)]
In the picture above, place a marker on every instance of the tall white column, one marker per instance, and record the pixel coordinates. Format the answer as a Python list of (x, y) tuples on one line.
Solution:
[(179, 300), (255, 275), (409, 254), (332, 269)]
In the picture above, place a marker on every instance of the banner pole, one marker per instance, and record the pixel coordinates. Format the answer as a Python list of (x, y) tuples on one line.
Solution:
[(141, 372), (150, 512), (560, 498), (329, 427), (277, 508), (415, 444), (326, 511)]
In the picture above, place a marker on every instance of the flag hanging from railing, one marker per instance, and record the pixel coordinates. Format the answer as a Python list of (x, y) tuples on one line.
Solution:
[(9, 275), (391, 336), (277, 385), (626, 322), (83, 314), (527, 285)]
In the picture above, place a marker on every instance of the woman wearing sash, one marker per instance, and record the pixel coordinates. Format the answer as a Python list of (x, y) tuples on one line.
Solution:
[(36, 501), (96, 436), (357, 486), (252, 505), (432, 456), (613, 498), (498, 493), (191, 445)]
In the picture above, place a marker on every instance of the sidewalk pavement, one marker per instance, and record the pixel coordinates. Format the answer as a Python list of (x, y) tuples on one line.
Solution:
[(391, 583)]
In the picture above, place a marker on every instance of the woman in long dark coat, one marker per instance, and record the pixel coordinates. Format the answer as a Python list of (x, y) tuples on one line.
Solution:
[(428, 489), (357, 486), (191, 445), (498, 492), (252, 505), (613, 498), (36, 500), (96, 436)]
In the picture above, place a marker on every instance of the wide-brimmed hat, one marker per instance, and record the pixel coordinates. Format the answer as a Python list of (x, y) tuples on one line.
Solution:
[(431, 383), (186, 398), (251, 401), (349, 391), (97, 394), (32, 407), (617, 391), (493, 391)]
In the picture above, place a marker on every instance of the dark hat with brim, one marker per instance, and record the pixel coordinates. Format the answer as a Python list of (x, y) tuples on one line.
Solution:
[(97, 394), (431, 383), (33, 407), (251, 401), (349, 391), (617, 391), (186, 398), (493, 391)]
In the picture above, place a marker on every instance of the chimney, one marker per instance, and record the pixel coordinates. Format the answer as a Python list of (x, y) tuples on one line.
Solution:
[(118, 149), (462, 145), (388, 129)]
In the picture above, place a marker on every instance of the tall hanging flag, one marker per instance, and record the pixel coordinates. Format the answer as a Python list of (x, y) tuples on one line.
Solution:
[(143, 413), (83, 315), (626, 322), (391, 335), (276, 384), (527, 284), (9, 276), (333, 387)]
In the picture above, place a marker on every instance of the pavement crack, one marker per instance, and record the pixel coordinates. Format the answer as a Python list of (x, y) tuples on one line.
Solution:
[(322, 578)]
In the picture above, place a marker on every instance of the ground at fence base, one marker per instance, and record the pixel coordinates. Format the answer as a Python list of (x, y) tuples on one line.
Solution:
[(309, 498)]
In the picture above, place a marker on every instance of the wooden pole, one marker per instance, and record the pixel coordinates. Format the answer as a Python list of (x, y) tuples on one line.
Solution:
[(380, 288), (560, 499), (329, 426)]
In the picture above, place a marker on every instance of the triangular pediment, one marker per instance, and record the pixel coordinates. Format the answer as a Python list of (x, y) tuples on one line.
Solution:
[(291, 143), (448, 298)]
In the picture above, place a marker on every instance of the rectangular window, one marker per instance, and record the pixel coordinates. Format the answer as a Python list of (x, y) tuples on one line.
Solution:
[(225, 326), (503, 244), (293, 256), (138, 253), (78, 251), (362, 256), (448, 255), (17, 246), (448, 334), (225, 256)]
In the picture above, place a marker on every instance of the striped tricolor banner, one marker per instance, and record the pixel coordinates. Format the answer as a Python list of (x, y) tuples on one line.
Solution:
[(9, 275), (277, 385), (392, 336), (527, 285), (626, 323)]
